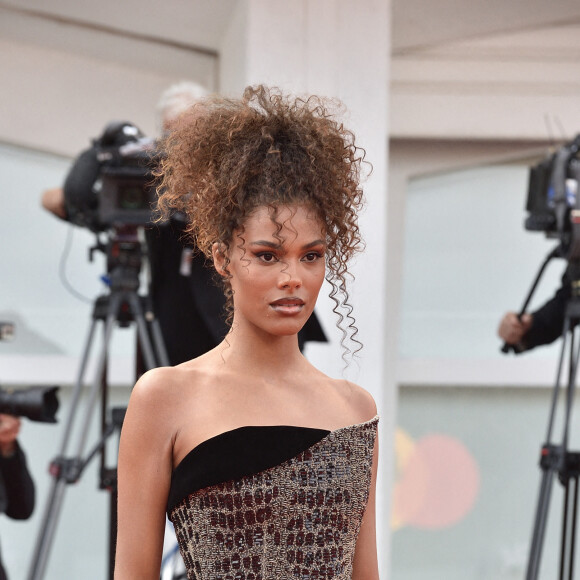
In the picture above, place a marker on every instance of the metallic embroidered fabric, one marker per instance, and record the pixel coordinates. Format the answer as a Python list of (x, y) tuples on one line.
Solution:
[(298, 520)]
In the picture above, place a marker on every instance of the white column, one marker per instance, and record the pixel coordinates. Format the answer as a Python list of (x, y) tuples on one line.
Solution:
[(338, 49)]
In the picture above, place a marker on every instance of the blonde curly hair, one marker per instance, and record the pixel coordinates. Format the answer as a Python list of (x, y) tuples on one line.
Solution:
[(225, 158)]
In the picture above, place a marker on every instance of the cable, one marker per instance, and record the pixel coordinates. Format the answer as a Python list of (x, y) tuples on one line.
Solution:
[(62, 269)]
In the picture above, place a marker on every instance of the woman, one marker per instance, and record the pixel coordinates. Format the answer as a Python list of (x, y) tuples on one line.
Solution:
[(265, 465)]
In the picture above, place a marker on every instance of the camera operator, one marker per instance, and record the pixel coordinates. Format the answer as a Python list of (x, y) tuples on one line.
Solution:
[(16, 485), (540, 327), (186, 300), (552, 205)]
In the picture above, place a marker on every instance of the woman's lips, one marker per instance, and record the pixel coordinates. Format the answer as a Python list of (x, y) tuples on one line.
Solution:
[(288, 305)]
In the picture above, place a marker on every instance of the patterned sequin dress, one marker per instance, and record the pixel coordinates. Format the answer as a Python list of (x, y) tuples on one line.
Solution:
[(273, 503)]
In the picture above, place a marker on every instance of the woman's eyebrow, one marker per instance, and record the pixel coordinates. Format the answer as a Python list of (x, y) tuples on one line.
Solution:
[(273, 245), (314, 244), (277, 246)]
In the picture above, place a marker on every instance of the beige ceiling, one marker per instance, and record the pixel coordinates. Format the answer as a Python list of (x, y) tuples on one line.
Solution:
[(166, 38), (198, 25), (419, 24)]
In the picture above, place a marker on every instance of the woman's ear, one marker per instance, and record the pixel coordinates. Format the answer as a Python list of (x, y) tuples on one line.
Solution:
[(219, 258)]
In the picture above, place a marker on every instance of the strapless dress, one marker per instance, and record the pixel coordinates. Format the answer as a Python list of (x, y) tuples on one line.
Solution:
[(273, 502)]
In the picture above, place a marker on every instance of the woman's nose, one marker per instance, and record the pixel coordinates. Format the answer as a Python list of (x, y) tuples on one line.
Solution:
[(289, 277)]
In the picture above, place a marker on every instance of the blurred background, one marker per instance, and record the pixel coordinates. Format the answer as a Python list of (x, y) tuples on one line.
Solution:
[(453, 101)]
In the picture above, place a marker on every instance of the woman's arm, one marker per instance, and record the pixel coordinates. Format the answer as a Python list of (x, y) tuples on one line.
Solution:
[(365, 565), (144, 476)]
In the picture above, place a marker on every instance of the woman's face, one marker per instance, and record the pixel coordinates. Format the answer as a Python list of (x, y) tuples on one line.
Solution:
[(277, 266)]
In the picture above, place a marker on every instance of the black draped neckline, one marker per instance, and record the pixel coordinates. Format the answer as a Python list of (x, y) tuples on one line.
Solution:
[(238, 453)]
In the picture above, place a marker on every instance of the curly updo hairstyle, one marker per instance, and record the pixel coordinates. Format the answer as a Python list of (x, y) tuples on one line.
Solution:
[(225, 158)]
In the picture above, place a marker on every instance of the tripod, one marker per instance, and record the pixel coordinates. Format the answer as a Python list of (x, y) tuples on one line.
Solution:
[(121, 305), (558, 459)]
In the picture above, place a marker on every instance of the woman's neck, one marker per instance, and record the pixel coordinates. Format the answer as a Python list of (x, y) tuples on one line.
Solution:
[(260, 352)]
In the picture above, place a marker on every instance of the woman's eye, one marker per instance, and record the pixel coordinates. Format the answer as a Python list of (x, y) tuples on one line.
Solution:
[(267, 257), (312, 257)]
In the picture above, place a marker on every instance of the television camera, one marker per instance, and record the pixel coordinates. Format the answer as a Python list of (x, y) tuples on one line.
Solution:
[(553, 205), (111, 183)]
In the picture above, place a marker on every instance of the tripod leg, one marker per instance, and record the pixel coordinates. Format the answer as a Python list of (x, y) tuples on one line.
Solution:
[(137, 312), (63, 476), (99, 371), (148, 353), (535, 556), (568, 542), (556, 390), (573, 529), (159, 343), (563, 546), (78, 388), (50, 516), (567, 549), (156, 336), (570, 392), (48, 527)]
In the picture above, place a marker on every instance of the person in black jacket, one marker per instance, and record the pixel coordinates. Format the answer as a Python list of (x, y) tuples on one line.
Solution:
[(16, 485)]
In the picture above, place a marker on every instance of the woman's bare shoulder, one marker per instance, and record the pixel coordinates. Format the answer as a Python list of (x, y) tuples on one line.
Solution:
[(360, 402), (157, 380), (163, 385)]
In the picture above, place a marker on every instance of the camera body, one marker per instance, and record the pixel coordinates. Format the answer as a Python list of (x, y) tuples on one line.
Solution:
[(552, 204), (111, 184)]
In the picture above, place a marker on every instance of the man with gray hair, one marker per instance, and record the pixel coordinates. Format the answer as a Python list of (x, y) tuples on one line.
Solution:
[(177, 99), (186, 301)]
